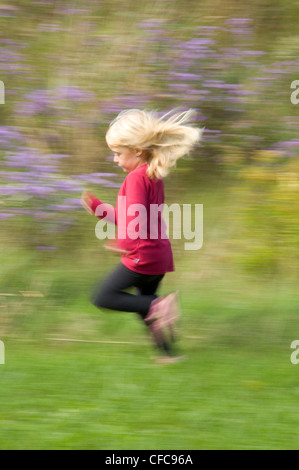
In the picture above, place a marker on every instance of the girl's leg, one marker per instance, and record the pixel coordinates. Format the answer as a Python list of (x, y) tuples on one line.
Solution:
[(149, 287), (111, 293), (159, 337)]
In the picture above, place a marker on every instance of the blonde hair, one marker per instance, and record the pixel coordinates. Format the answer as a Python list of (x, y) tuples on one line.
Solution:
[(163, 139)]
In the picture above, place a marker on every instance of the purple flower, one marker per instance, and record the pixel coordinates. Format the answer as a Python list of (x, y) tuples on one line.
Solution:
[(45, 168), (97, 180), (212, 131), (72, 201), (42, 97), (264, 78), (253, 53), (195, 43), (73, 123), (184, 76), (39, 214), (18, 211), (183, 87), (61, 207), (120, 103), (213, 84), (9, 55), (74, 94), (239, 26), (72, 11), (4, 216), (28, 160), (9, 136), (19, 178), (11, 42), (288, 144), (68, 186), (42, 2), (9, 191), (39, 190), (241, 31), (51, 27), (149, 24), (45, 247), (9, 8), (238, 21), (37, 102)]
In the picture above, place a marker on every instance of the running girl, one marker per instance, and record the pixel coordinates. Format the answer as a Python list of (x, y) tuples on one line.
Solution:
[(145, 146)]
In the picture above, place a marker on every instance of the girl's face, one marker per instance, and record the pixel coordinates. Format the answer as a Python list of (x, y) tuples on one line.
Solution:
[(128, 159)]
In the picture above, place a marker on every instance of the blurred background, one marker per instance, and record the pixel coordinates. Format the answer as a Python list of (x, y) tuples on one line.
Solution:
[(69, 67)]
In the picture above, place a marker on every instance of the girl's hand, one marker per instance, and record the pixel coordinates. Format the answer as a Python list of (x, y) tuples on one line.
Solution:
[(86, 200), (112, 245)]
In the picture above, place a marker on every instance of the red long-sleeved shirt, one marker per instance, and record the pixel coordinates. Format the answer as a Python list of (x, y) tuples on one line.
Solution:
[(142, 233)]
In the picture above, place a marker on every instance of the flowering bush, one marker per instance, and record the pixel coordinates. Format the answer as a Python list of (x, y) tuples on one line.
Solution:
[(62, 95)]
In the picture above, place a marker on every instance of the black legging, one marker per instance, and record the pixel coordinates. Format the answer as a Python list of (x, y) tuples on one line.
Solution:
[(109, 294)]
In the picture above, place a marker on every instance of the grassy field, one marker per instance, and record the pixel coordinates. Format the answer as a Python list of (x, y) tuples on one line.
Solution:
[(237, 389)]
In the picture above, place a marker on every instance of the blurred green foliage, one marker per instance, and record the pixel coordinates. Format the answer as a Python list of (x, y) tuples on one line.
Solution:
[(69, 69)]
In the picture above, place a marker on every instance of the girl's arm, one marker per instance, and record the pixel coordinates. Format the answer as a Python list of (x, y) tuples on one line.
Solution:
[(90, 203)]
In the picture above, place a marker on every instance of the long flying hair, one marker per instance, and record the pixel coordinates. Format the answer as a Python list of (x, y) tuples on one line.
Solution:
[(163, 139)]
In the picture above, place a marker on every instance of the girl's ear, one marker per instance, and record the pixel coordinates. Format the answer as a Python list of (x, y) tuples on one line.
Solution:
[(138, 152)]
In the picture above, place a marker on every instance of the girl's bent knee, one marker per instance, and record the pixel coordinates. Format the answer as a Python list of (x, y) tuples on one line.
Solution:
[(97, 299)]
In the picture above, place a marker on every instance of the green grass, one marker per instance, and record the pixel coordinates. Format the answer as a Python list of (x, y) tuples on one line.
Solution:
[(237, 389), (76, 396)]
